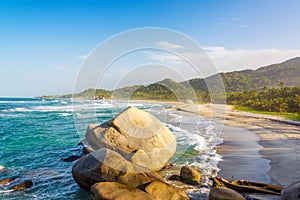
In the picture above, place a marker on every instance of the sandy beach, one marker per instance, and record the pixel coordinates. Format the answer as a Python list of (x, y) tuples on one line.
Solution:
[(256, 147)]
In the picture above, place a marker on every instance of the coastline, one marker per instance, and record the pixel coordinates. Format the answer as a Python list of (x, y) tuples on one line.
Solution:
[(258, 140)]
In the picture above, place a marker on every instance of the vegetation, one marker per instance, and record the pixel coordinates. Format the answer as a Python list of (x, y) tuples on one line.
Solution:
[(292, 116), (282, 100)]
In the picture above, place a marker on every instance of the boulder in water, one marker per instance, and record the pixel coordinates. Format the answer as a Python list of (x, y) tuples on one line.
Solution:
[(70, 158), (24, 185), (291, 192), (117, 191), (136, 135)]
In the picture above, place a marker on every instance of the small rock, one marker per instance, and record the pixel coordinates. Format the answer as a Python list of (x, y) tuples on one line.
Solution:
[(22, 186), (291, 192), (7, 180), (117, 191), (160, 190), (190, 175), (221, 193), (87, 150), (70, 158)]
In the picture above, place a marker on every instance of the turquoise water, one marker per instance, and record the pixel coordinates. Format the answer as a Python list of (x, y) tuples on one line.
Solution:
[(35, 134)]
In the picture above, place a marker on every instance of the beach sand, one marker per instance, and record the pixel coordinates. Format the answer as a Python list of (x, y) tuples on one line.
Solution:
[(256, 147)]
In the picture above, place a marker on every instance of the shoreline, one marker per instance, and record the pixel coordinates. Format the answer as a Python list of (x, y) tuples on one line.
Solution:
[(279, 143)]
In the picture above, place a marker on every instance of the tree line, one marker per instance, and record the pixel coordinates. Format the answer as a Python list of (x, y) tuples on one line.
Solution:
[(282, 99)]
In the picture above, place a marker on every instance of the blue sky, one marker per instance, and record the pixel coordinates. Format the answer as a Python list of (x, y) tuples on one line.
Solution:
[(43, 43)]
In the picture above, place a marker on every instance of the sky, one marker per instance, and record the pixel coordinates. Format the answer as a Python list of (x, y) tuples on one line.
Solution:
[(45, 44)]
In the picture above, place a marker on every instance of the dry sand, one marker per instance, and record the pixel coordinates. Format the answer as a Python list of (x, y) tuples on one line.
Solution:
[(256, 147)]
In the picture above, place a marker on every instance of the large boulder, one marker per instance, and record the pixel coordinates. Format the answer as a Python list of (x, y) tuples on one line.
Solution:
[(117, 191), (291, 192), (160, 190), (136, 135), (221, 193), (107, 165)]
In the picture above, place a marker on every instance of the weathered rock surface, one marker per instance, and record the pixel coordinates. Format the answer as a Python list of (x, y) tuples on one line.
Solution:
[(221, 193), (117, 191), (136, 135), (107, 165), (190, 175), (159, 190), (291, 192)]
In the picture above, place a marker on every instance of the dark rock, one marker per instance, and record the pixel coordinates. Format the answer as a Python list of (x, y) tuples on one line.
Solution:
[(175, 178), (87, 150), (22, 186), (160, 190), (291, 192), (7, 180), (190, 175), (222, 193), (117, 191), (70, 158)]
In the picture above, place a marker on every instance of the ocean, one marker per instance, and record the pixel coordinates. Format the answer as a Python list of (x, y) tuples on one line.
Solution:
[(35, 134)]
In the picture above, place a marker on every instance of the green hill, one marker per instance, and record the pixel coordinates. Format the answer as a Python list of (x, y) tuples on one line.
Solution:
[(238, 81)]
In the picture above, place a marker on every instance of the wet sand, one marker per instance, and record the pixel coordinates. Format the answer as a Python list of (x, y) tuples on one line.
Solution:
[(256, 147)]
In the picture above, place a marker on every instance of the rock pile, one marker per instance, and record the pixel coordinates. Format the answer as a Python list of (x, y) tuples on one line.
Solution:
[(124, 154)]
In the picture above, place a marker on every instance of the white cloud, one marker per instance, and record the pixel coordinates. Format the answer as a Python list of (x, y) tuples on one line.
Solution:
[(243, 26), (239, 59), (83, 57), (165, 57), (227, 60), (168, 45)]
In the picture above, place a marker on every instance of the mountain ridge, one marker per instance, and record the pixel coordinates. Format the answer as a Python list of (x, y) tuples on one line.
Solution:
[(270, 76)]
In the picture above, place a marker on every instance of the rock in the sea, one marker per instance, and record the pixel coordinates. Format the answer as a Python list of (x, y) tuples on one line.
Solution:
[(87, 150), (190, 175), (70, 158), (7, 180), (117, 191), (160, 190), (291, 192), (138, 136), (24, 185), (107, 165), (221, 193)]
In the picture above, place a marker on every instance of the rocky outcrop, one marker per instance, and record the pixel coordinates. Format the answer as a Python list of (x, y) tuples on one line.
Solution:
[(136, 135), (122, 155), (291, 192), (222, 193), (117, 191)]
